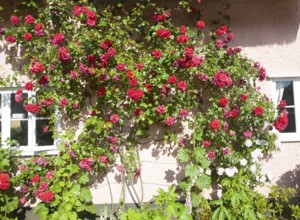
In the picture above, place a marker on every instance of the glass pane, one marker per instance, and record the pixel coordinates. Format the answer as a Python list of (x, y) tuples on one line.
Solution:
[(19, 131), (292, 122), (286, 90), (43, 135), (17, 108)]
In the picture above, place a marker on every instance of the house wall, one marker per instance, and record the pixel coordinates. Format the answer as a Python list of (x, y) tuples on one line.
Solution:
[(268, 32)]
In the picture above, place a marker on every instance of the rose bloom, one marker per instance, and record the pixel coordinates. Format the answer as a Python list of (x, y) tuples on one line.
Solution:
[(172, 79), (222, 79), (15, 20), (46, 197), (148, 87), (182, 29), (183, 113), (163, 33), (29, 19), (282, 121), (282, 104), (223, 102), (57, 38), (247, 134), (258, 111), (33, 108), (111, 52), (170, 121), (156, 54), (103, 159), (215, 124), (113, 139), (133, 82), (139, 66), (63, 102), (114, 118), (86, 163), (28, 36), (206, 143), (226, 151), (101, 91), (160, 109), (63, 54), (243, 97), (121, 67), (182, 85), (211, 155), (10, 39), (138, 111), (200, 24), (183, 38)]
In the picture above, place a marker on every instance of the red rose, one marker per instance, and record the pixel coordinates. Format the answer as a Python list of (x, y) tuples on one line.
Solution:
[(148, 87), (57, 38), (211, 155), (206, 143), (158, 17), (160, 109), (243, 97), (33, 108), (222, 79), (121, 67), (138, 111), (10, 39), (183, 38), (29, 19), (28, 86), (247, 134), (200, 25), (103, 159), (182, 85), (28, 36), (133, 82), (63, 54), (36, 67), (114, 118), (172, 79), (282, 104), (182, 29), (35, 179), (223, 102), (163, 33), (189, 52), (135, 95), (258, 111), (170, 121), (15, 20), (139, 66), (282, 121), (101, 91), (156, 54), (111, 52), (46, 196), (215, 124), (63, 102), (183, 113), (44, 80)]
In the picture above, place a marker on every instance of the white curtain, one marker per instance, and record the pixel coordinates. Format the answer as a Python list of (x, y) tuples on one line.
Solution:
[(280, 86)]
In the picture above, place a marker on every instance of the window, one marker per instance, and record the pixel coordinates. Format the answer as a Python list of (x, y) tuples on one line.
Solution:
[(289, 90), (27, 131)]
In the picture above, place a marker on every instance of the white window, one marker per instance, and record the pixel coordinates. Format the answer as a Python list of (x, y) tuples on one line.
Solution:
[(289, 89), (26, 131)]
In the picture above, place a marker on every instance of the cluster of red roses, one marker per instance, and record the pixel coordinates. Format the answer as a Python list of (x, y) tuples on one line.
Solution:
[(282, 121), (33, 108), (4, 181), (222, 79), (87, 16)]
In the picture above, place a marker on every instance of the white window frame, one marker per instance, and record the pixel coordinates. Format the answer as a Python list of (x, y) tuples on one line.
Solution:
[(32, 148), (291, 136)]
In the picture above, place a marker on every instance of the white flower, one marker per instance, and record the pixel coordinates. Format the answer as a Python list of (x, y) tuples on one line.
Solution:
[(243, 162), (220, 171), (257, 142), (253, 168), (219, 193), (201, 169), (256, 155), (270, 176), (208, 172), (248, 143), (230, 171), (263, 179)]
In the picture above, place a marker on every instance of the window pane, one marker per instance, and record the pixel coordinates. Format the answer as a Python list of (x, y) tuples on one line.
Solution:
[(43, 135), (292, 122), (286, 91), (17, 108), (19, 131)]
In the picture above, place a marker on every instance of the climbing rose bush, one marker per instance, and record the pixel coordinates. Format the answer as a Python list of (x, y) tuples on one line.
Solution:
[(131, 73)]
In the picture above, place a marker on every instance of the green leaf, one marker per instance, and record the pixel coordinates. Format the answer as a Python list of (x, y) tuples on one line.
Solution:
[(12, 204), (85, 194), (83, 178), (183, 155), (41, 210), (192, 171), (203, 182)]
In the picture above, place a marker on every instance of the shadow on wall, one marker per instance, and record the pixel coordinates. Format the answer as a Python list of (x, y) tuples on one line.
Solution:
[(291, 179), (256, 22)]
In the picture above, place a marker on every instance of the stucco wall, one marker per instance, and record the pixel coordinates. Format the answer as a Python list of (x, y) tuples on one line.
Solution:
[(268, 32)]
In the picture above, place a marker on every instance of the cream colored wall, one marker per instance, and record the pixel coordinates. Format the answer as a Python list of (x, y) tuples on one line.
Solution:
[(268, 31)]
